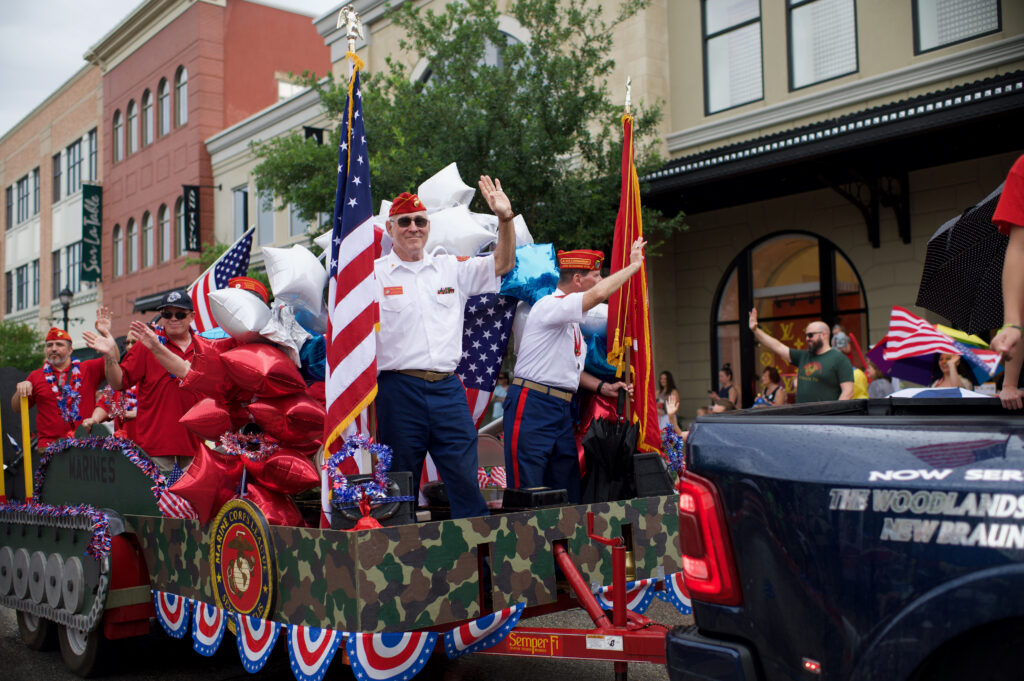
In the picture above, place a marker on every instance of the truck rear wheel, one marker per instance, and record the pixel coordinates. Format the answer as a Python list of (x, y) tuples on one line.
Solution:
[(36, 632), (80, 649)]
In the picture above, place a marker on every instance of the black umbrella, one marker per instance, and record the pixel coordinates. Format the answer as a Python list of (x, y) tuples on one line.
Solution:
[(608, 449), (963, 269)]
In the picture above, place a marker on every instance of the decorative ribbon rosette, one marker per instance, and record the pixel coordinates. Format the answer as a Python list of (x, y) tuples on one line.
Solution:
[(367, 493)]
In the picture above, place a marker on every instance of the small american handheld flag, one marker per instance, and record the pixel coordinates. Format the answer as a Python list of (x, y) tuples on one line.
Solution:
[(234, 263)]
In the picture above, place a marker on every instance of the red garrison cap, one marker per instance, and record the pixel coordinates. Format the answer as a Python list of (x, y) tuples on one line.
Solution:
[(58, 334), (581, 259), (406, 203), (250, 284)]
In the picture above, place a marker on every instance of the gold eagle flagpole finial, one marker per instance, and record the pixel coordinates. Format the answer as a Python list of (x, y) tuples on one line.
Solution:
[(349, 18)]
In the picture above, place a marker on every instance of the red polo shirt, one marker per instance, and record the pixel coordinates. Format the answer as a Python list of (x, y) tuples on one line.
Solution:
[(128, 426), (50, 425), (162, 402), (1010, 209)]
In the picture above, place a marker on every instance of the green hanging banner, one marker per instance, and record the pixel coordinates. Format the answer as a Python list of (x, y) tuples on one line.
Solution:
[(92, 230)]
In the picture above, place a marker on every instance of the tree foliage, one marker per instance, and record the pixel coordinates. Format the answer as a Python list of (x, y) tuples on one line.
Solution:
[(539, 116), (21, 346)]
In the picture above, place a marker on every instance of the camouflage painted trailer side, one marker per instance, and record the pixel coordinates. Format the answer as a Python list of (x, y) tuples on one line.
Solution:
[(414, 576)]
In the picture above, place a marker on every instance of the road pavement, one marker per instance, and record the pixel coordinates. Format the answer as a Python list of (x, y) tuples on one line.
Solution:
[(158, 657)]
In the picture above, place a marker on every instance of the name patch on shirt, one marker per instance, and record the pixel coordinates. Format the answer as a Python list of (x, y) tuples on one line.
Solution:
[(444, 290), (393, 290)]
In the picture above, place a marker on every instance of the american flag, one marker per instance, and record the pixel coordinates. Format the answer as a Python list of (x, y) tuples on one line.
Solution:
[(956, 454), (351, 382), (234, 263), (173, 505), (486, 327), (911, 336)]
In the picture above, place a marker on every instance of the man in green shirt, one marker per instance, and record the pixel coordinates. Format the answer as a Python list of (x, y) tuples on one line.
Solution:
[(823, 373)]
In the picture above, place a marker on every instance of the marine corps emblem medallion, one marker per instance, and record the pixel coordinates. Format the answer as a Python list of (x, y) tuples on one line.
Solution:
[(242, 564)]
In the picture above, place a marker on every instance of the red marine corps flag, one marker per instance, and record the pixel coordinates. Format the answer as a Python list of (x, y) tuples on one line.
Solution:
[(629, 320), (351, 381)]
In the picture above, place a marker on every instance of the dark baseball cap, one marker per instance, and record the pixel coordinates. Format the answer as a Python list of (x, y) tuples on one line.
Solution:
[(179, 298)]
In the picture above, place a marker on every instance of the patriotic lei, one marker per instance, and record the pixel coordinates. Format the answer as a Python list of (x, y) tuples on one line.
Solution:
[(674, 446), (119, 408), (376, 488), (256, 448), (99, 546), (68, 396)]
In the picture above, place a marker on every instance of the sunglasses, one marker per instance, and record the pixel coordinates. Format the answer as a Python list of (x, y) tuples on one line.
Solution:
[(167, 314), (405, 221)]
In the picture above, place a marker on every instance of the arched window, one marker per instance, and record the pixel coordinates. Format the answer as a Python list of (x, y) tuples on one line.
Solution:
[(148, 124), (163, 102), (148, 246), (132, 257), (133, 128), (118, 254), (793, 279), (164, 231), (118, 136), (179, 220), (181, 96)]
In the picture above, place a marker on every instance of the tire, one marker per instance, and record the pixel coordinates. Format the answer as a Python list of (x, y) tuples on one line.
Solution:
[(80, 649), (37, 633)]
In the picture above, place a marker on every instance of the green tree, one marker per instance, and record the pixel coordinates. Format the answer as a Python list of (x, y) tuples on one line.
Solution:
[(539, 116), (21, 346)]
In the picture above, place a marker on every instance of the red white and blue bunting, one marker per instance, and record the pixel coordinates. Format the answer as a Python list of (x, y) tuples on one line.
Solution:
[(390, 656), (255, 638), (172, 613), (374, 657), (208, 623), (675, 593), (639, 595), (311, 650), (482, 633)]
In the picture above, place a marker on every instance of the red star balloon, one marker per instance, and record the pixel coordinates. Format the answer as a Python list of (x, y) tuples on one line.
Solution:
[(209, 482), (278, 508), (263, 370)]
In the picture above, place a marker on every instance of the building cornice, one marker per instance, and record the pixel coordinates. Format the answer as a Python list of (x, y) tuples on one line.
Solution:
[(134, 30), (848, 94)]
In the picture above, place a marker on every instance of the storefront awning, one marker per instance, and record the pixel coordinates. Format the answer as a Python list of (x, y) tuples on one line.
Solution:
[(963, 122), (149, 302)]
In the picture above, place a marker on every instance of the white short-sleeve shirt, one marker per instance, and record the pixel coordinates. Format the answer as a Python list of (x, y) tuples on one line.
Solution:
[(552, 350), (422, 306)]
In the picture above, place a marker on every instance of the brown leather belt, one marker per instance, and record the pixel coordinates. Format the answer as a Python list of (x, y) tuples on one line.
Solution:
[(546, 389), (429, 376)]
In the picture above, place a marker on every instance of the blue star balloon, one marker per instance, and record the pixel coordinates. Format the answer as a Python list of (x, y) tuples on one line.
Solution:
[(535, 274)]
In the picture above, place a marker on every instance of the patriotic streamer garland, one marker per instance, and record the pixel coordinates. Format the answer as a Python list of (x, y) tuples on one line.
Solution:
[(256, 448), (673, 445), (110, 443), (99, 545), (376, 488)]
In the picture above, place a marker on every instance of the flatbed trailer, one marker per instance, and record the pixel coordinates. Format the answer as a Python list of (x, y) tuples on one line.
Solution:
[(93, 556)]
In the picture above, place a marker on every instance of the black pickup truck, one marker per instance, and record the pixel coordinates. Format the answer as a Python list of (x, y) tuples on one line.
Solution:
[(863, 540)]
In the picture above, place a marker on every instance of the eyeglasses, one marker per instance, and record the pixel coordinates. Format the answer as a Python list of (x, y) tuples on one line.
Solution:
[(405, 221), (167, 314)]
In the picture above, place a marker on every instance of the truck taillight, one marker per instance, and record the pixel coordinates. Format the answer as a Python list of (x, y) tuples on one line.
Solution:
[(708, 565)]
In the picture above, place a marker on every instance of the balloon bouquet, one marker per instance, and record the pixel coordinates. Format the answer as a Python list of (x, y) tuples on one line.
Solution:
[(256, 403)]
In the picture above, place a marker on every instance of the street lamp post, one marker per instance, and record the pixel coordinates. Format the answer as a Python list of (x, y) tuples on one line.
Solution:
[(66, 296)]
